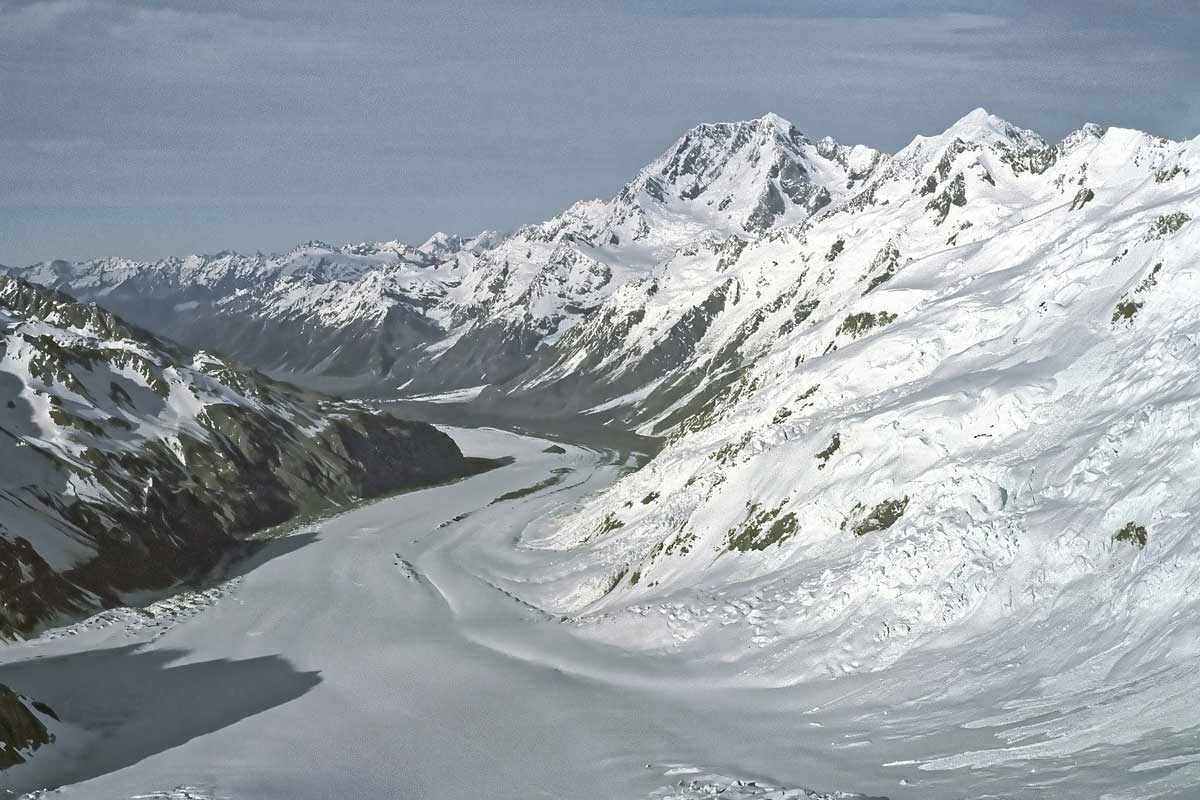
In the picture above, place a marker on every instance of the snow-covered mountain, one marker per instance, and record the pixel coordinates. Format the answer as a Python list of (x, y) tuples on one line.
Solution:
[(666, 349), (337, 314), (938, 386), (127, 463), (930, 422), (458, 313), (958, 408)]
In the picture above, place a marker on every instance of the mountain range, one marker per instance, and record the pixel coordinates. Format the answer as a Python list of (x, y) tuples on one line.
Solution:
[(456, 313), (632, 309), (939, 398)]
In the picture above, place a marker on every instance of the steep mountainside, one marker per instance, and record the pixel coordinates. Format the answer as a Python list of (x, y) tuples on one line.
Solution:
[(21, 727), (971, 359), (930, 422), (958, 410), (340, 315), (126, 463), (458, 314), (672, 345)]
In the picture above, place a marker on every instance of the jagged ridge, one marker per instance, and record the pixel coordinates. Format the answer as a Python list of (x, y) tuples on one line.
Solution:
[(127, 463)]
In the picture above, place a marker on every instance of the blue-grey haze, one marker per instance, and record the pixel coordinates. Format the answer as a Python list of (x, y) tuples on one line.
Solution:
[(147, 128)]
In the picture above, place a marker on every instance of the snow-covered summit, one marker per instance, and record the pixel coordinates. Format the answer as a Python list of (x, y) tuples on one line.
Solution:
[(982, 125), (441, 244), (978, 129), (944, 411), (459, 311), (740, 177)]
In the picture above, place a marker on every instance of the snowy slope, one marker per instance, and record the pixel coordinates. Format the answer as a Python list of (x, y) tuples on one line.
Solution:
[(966, 423), (126, 463), (337, 313), (982, 337), (456, 313), (926, 513), (666, 350), (937, 443)]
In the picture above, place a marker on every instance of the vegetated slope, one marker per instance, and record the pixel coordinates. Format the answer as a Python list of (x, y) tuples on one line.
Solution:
[(459, 314), (126, 463), (960, 410)]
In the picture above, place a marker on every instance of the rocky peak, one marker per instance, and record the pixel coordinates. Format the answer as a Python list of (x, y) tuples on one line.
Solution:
[(978, 129), (1089, 132), (311, 244), (743, 176), (709, 151), (442, 245), (33, 301)]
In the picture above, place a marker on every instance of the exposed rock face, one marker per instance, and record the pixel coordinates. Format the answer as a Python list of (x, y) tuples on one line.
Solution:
[(20, 729), (959, 406), (127, 463), (664, 353), (455, 313), (939, 401)]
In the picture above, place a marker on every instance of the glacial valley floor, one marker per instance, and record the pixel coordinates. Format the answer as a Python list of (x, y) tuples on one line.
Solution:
[(377, 654)]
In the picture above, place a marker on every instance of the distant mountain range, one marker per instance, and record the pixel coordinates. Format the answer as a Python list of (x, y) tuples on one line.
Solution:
[(455, 313), (634, 308)]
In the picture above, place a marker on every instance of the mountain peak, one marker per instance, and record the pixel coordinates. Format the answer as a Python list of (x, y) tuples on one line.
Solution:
[(734, 133), (311, 244), (1089, 131), (441, 243), (743, 176), (980, 125), (773, 120), (979, 116)]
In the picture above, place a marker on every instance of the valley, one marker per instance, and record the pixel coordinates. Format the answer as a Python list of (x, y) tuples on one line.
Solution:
[(383, 647), (822, 470)]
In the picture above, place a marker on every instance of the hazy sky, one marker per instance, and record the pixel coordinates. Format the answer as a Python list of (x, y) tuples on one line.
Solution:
[(155, 128)]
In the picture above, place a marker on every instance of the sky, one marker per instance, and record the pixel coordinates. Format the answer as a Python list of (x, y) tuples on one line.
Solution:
[(152, 128)]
